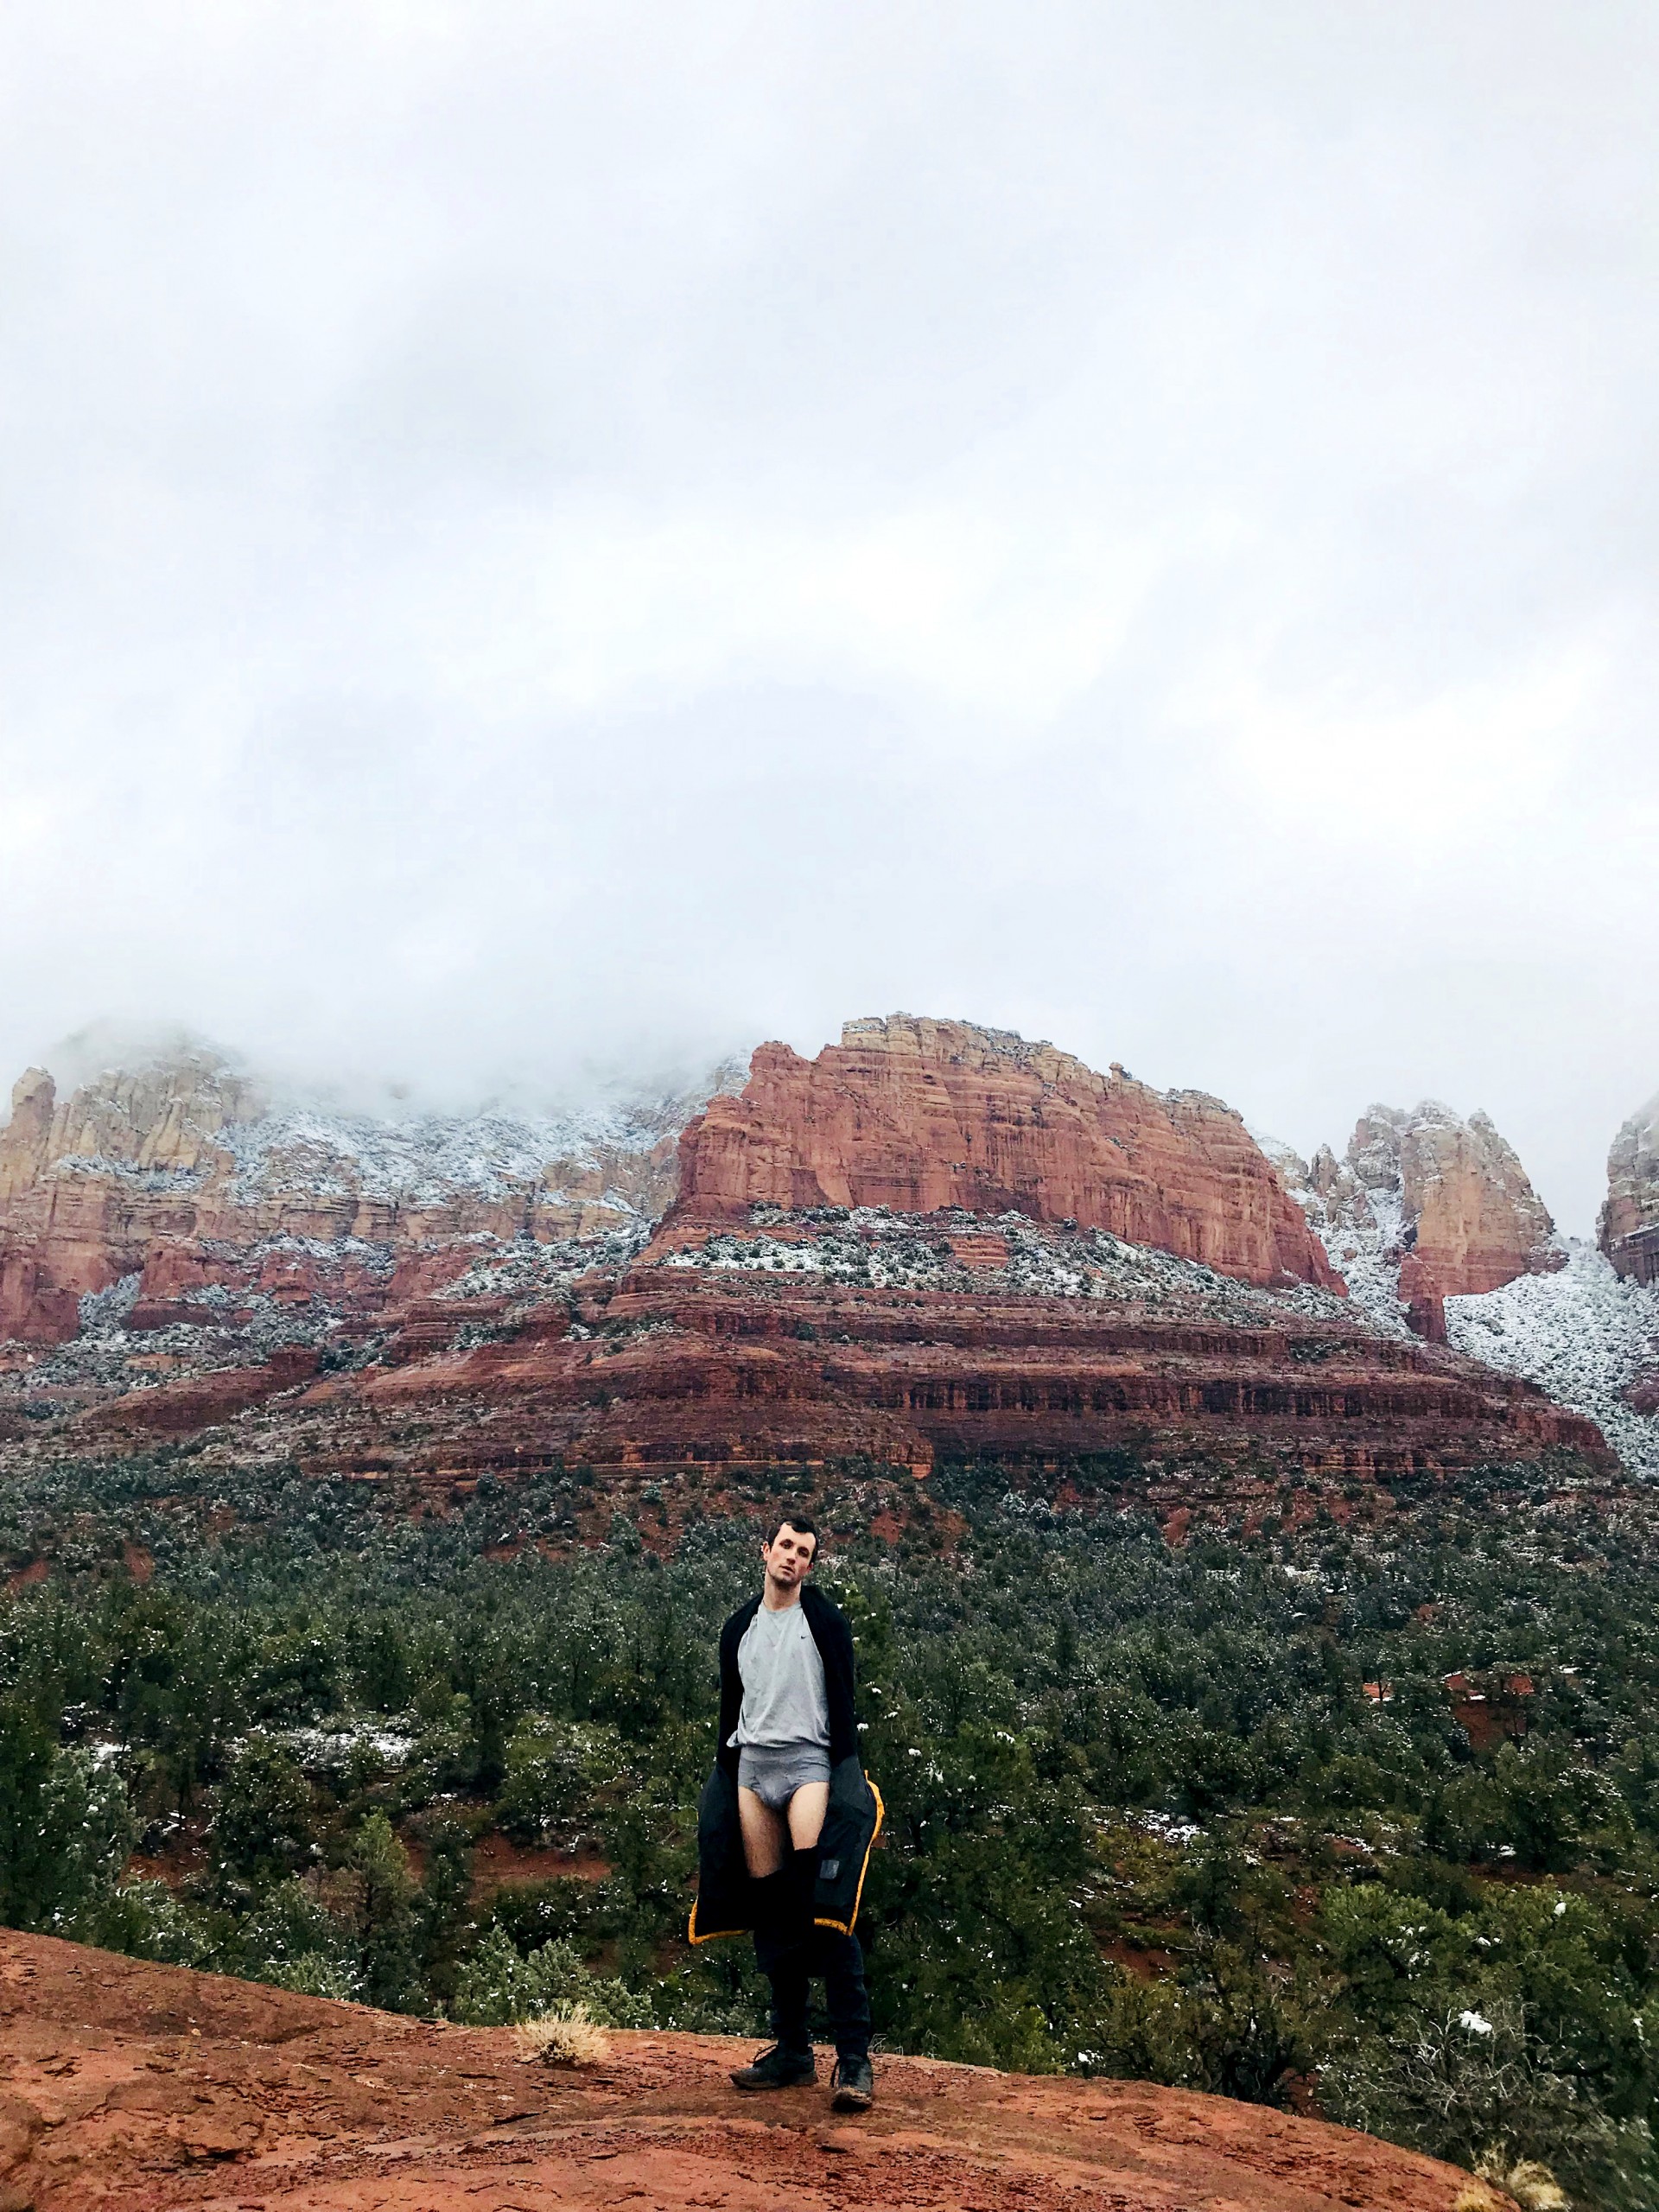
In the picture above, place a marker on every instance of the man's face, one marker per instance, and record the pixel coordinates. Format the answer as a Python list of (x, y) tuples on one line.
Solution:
[(789, 1556)]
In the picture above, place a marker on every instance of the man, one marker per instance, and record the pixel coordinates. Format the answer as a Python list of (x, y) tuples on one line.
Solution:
[(788, 1817)]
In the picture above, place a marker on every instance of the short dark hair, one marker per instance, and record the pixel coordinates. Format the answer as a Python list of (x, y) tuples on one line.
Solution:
[(801, 1523)]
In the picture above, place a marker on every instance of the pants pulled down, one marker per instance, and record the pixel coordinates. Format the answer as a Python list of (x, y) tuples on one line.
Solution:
[(790, 1950)]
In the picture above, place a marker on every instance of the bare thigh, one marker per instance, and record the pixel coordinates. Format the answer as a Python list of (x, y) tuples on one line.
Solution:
[(806, 1810), (764, 1834), (767, 1835)]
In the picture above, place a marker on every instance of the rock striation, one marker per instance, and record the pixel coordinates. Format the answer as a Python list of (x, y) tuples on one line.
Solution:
[(1629, 1229), (808, 1341), (924, 1116), (1424, 1206)]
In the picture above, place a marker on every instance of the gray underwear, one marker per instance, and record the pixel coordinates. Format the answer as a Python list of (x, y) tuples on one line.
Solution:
[(776, 1772)]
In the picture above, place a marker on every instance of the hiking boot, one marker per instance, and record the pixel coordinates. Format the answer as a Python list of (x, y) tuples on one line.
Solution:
[(778, 2068), (854, 2086)]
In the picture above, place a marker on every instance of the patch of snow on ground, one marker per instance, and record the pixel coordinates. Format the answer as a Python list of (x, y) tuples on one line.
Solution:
[(329, 1749), (523, 1269), (104, 1309), (1586, 1334), (870, 1245)]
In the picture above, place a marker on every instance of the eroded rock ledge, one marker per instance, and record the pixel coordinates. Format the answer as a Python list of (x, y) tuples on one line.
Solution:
[(136, 2087)]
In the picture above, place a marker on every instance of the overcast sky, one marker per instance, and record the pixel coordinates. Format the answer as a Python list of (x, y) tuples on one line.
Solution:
[(543, 537)]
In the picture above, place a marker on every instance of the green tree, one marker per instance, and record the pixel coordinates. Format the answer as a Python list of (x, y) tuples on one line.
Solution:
[(264, 1824), (443, 1911), (28, 1877), (388, 1925)]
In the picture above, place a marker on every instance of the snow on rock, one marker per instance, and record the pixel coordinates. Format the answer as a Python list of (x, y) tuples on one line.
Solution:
[(1588, 1336), (1423, 1205), (526, 1269), (1008, 1253), (424, 1161), (1363, 1229)]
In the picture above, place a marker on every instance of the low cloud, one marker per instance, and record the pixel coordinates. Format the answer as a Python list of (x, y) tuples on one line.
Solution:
[(554, 539)]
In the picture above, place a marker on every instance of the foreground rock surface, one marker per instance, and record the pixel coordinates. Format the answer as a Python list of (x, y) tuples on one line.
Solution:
[(137, 2087)]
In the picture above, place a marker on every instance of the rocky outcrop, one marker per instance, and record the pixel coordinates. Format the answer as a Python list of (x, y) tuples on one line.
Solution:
[(1425, 1206), (131, 2084), (934, 1243), (809, 1342), (1629, 1228), (926, 1116), (186, 1173)]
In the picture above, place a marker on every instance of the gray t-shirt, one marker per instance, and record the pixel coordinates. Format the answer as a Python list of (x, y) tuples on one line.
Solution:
[(783, 1699)]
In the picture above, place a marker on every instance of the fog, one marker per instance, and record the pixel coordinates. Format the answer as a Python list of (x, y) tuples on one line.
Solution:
[(547, 541)]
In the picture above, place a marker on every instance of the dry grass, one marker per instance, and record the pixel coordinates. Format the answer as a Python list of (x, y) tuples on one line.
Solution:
[(1534, 2188), (567, 2039)]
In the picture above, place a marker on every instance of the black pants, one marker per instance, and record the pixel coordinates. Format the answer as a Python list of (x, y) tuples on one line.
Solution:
[(790, 1950)]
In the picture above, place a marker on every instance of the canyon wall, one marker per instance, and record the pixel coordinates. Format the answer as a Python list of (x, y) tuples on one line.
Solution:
[(1629, 1229), (926, 1116)]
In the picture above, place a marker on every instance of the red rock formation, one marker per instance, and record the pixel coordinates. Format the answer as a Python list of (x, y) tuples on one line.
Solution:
[(1479, 1223), (1445, 1202), (747, 1335), (699, 1367), (26, 1137), (1629, 1229), (186, 1408), (130, 2085), (181, 1171), (923, 1116)]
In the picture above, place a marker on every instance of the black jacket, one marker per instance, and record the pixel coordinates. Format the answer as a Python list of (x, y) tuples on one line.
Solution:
[(851, 1823)]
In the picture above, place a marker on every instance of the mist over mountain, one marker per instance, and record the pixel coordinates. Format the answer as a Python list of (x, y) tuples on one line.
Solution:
[(542, 540)]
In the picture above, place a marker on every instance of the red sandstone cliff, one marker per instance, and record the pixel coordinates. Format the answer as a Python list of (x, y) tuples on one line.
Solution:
[(1441, 1206), (924, 1116), (419, 1298), (1629, 1229)]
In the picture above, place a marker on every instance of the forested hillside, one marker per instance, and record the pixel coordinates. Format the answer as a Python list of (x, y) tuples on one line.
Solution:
[(1207, 1811)]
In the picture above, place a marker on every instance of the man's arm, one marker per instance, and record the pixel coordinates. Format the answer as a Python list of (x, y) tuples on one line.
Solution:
[(731, 1695)]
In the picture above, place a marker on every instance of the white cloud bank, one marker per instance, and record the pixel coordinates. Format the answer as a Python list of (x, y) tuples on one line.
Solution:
[(548, 534)]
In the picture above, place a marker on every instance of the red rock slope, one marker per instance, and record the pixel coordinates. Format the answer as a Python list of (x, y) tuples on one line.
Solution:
[(141, 2088), (921, 1116), (749, 1351)]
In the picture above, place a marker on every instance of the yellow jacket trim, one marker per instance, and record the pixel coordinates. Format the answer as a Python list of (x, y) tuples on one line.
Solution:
[(846, 1927), (841, 1927)]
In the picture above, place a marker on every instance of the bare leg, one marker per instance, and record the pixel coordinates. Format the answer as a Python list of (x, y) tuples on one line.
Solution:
[(765, 1839), (806, 1810)]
